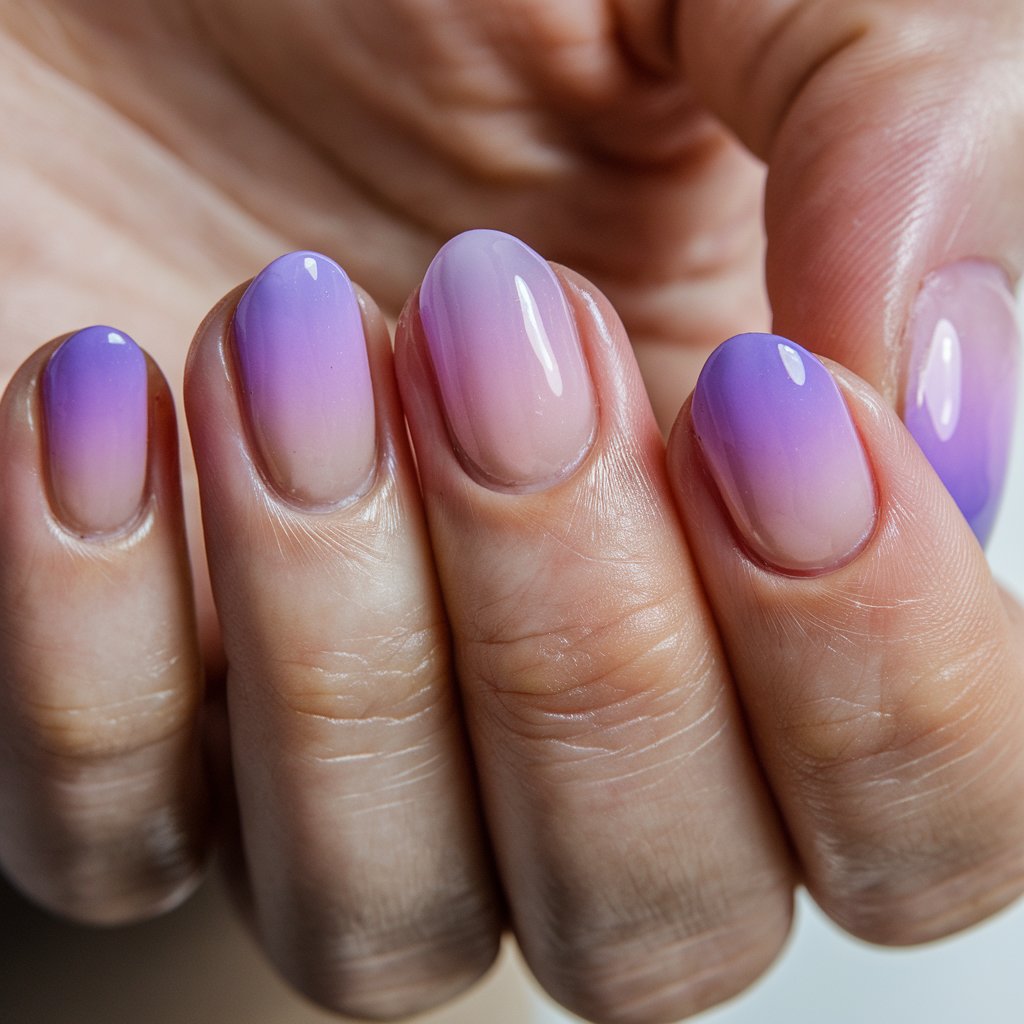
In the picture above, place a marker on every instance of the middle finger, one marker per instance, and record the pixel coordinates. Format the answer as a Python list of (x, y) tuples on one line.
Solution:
[(641, 856)]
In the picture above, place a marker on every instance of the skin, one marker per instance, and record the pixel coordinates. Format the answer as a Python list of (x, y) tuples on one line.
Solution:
[(541, 118)]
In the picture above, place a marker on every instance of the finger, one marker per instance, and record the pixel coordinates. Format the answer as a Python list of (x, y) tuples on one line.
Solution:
[(100, 785), (371, 884), (877, 664), (641, 860), (893, 133)]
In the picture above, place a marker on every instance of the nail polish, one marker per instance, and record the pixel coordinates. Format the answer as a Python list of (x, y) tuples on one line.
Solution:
[(516, 390), (96, 416), (961, 385), (779, 442), (305, 379)]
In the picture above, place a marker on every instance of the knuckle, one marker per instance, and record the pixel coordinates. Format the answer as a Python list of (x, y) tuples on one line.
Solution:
[(601, 737), (898, 900), (112, 730), (521, 649), (910, 798), (393, 675), (904, 862), (386, 962), (676, 957), (894, 729), (103, 880)]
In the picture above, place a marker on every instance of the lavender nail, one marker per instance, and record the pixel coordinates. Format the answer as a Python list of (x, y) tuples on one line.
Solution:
[(306, 379), (779, 442), (503, 342), (95, 400), (961, 389)]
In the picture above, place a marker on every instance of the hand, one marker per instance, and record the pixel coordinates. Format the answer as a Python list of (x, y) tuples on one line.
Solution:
[(161, 152), (870, 355)]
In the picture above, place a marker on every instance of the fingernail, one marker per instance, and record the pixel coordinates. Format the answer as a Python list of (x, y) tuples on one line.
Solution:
[(778, 439), (96, 408), (516, 389), (305, 377), (961, 390)]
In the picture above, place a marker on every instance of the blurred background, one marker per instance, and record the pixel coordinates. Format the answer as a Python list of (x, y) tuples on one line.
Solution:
[(197, 965)]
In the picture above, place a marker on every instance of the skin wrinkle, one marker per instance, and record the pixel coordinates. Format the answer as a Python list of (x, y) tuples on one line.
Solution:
[(727, 955), (885, 899), (405, 787), (167, 161), (674, 764), (316, 543), (848, 865), (870, 677), (117, 103), (338, 682), (412, 958), (476, 135), (321, 540), (91, 735), (390, 910), (339, 708), (395, 952), (569, 749), (549, 669), (598, 959), (408, 212), (534, 161)]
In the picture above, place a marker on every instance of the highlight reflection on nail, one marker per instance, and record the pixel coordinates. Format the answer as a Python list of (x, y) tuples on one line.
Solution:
[(515, 386), (305, 377), (961, 390), (779, 441), (95, 400)]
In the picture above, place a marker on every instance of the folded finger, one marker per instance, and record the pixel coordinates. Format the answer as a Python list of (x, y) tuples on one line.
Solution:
[(878, 665), (370, 876), (642, 862), (100, 778)]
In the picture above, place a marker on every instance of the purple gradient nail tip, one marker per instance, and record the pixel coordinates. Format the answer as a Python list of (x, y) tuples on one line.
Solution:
[(305, 377), (96, 405), (779, 442), (961, 390)]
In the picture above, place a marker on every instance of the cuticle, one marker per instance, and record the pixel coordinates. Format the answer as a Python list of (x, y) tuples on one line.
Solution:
[(493, 484)]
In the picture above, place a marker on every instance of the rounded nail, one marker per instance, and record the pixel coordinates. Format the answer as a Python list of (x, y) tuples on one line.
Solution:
[(96, 414), (961, 386), (513, 379), (305, 379), (779, 442)]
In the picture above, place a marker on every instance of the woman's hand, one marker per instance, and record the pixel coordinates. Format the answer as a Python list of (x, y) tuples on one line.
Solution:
[(640, 855), (792, 633), (157, 154)]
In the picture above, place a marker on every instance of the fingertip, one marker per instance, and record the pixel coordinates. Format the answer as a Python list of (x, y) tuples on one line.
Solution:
[(89, 442), (101, 774), (883, 694), (805, 484)]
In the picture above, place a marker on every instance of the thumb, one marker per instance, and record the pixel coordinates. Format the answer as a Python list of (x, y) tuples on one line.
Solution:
[(894, 134)]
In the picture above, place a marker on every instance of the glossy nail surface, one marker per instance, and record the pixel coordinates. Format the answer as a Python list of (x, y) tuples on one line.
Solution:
[(516, 389), (96, 406), (305, 377), (961, 386), (778, 439)]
